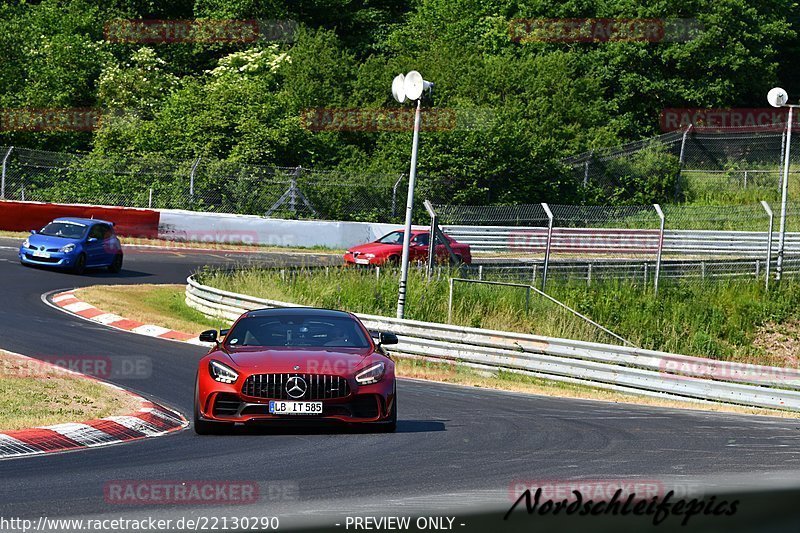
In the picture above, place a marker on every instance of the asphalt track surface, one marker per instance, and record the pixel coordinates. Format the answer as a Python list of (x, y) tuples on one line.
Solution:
[(456, 449)]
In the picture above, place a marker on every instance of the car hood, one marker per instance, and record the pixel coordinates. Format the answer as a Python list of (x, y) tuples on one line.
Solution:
[(339, 361), (373, 248), (49, 241)]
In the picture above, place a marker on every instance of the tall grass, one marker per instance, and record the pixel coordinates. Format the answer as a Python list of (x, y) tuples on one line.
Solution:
[(717, 319)]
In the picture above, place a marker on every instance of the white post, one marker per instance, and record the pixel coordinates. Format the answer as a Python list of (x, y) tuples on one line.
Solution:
[(412, 177), (771, 216), (547, 247), (3, 180), (660, 246), (784, 194), (150, 199), (191, 177)]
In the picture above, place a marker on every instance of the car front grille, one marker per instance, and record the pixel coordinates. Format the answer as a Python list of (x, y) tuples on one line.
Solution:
[(43, 259), (274, 386)]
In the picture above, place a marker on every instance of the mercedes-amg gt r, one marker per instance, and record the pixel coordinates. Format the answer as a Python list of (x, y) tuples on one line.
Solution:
[(298, 364)]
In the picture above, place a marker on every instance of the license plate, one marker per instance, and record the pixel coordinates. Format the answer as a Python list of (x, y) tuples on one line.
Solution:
[(38, 253), (362, 261), (295, 408)]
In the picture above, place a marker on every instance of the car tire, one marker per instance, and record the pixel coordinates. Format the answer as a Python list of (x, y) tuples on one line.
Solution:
[(80, 265), (393, 261), (204, 427), (457, 261), (116, 264)]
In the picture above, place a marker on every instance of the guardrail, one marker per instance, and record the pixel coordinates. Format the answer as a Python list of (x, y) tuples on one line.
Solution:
[(632, 370), (527, 240)]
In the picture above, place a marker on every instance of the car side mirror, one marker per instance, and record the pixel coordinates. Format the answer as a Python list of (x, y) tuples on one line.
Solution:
[(209, 336), (386, 337), (33, 232), (91, 239)]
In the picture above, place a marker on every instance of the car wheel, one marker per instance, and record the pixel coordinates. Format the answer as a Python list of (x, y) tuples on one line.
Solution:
[(116, 265), (80, 265), (204, 427), (393, 261), (456, 261)]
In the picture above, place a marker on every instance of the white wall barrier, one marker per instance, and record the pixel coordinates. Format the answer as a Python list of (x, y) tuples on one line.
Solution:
[(250, 229)]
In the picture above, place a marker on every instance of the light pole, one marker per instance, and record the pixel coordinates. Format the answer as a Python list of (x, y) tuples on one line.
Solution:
[(777, 97), (411, 86)]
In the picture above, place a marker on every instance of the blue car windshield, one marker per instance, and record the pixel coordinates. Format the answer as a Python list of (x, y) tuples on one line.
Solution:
[(298, 330), (67, 230)]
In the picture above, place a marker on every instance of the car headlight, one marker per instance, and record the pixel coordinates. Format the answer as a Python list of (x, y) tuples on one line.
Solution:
[(222, 373), (369, 256), (67, 248), (26, 243), (371, 374)]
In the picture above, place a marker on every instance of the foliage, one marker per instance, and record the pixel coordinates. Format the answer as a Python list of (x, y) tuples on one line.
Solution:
[(539, 101)]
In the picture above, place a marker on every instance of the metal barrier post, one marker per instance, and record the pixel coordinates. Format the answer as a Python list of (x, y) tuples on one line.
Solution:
[(432, 236), (3, 180), (450, 304), (191, 177), (549, 243), (771, 216), (661, 218), (394, 194), (681, 159)]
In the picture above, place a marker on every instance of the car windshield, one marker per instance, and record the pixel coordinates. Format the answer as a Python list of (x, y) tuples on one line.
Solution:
[(67, 230), (298, 330), (395, 237)]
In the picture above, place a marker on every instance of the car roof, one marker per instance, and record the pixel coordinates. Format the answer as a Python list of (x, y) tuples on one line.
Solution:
[(85, 221), (298, 311)]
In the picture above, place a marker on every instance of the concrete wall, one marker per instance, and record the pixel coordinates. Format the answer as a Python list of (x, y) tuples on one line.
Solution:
[(251, 229)]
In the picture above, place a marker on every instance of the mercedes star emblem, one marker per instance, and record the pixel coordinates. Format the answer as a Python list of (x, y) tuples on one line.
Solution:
[(296, 387)]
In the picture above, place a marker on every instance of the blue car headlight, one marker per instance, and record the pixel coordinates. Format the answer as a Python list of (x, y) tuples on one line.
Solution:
[(67, 248), (26, 243)]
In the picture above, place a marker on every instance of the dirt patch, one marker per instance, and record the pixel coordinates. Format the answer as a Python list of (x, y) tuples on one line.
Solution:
[(781, 342)]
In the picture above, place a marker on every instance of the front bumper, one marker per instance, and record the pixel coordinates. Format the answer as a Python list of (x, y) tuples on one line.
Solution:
[(365, 404), (56, 259), (361, 260)]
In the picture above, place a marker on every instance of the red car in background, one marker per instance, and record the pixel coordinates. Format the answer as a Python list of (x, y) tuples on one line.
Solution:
[(389, 250)]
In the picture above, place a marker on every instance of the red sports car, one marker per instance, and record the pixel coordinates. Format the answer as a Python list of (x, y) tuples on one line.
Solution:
[(279, 365), (389, 250)]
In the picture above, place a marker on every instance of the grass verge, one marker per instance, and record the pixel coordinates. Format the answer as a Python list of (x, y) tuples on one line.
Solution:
[(35, 394), (164, 305)]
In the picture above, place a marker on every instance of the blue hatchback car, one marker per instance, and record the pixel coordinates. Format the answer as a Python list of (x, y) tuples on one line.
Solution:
[(73, 244)]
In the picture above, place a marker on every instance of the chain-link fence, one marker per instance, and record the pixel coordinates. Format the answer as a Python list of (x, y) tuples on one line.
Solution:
[(648, 244), (732, 165), (202, 184)]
